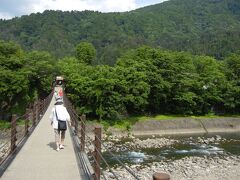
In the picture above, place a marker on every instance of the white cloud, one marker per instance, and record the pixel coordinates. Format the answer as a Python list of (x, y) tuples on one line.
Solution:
[(4, 15)]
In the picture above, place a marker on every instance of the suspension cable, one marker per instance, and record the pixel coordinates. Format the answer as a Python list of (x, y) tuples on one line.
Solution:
[(112, 154), (110, 169), (132, 173)]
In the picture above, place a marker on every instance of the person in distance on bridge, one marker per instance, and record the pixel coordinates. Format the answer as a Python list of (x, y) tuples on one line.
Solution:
[(59, 113)]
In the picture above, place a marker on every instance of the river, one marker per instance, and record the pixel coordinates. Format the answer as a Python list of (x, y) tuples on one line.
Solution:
[(211, 145)]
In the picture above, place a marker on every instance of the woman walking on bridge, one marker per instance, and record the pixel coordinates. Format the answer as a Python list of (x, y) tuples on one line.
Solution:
[(59, 118)]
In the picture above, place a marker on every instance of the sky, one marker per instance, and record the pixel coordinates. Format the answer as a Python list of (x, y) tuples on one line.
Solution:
[(13, 8)]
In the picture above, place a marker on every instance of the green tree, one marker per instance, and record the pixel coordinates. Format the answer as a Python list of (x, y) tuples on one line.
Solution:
[(13, 80), (85, 52), (41, 69), (23, 77), (210, 83), (231, 93)]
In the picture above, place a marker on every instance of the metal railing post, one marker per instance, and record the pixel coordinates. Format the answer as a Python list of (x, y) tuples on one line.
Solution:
[(13, 132), (97, 150), (37, 111), (40, 108), (27, 121), (75, 119), (83, 128), (44, 105), (34, 114)]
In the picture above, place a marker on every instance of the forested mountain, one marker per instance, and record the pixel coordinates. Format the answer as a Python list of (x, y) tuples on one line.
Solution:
[(209, 27)]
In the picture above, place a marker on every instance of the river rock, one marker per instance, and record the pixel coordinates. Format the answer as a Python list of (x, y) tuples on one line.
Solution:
[(203, 168)]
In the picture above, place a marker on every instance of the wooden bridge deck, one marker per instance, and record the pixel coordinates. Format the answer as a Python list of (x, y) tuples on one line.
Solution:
[(39, 160)]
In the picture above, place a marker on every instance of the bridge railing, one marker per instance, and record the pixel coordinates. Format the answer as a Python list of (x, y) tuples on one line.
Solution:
[(21, 128), (90, 143)]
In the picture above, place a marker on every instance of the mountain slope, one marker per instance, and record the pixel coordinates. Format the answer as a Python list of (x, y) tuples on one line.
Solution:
[(208, 27)]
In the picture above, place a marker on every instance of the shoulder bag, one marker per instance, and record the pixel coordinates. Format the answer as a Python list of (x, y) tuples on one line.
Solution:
[(62, 125)]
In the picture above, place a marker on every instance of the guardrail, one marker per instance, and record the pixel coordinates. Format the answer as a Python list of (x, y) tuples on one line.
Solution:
[(92, 147), (87, 147), (18, 134)]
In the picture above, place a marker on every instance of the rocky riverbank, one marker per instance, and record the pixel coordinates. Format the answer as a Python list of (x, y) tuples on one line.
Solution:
[(115, 143), (197, 168), (215, 164)]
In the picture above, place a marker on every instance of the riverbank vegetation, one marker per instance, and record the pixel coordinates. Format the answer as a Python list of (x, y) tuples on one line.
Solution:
[(144, 82), (153, 81), (126, 124)]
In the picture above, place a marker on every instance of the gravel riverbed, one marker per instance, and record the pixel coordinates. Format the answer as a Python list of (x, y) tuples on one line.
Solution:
[(225, 166), (188, 168)]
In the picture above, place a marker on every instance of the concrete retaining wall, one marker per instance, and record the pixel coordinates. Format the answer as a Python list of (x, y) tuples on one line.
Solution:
[(186, 126)]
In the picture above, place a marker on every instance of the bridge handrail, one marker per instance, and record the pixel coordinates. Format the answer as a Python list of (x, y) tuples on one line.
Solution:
[(34, 114), (75, 118)]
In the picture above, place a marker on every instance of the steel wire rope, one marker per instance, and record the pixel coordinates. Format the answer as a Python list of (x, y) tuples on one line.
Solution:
[(99, 164), (132, 173), (8, 142), (22, 116), (74, 114), (99, 154), (112, 154), (96, 161), (108, 152), (6, 135), (5, 156), (22, 132), (9, 152), (17, 133), (81, 158), (106, 162), (81, 120), (10, 138), (103, 175)]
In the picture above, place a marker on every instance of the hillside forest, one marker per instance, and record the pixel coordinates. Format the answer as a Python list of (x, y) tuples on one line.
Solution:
[(201, 27), (179, 57)]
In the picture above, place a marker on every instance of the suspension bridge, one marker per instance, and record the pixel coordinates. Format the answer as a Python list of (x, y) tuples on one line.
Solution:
[(30, 151)]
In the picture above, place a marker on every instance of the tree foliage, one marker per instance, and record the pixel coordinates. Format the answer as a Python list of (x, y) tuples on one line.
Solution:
[(143, 81), (85, 52), (23, 77), (150, 80)]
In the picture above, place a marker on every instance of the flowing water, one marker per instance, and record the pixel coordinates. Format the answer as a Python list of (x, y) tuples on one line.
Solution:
[(207, 145)]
